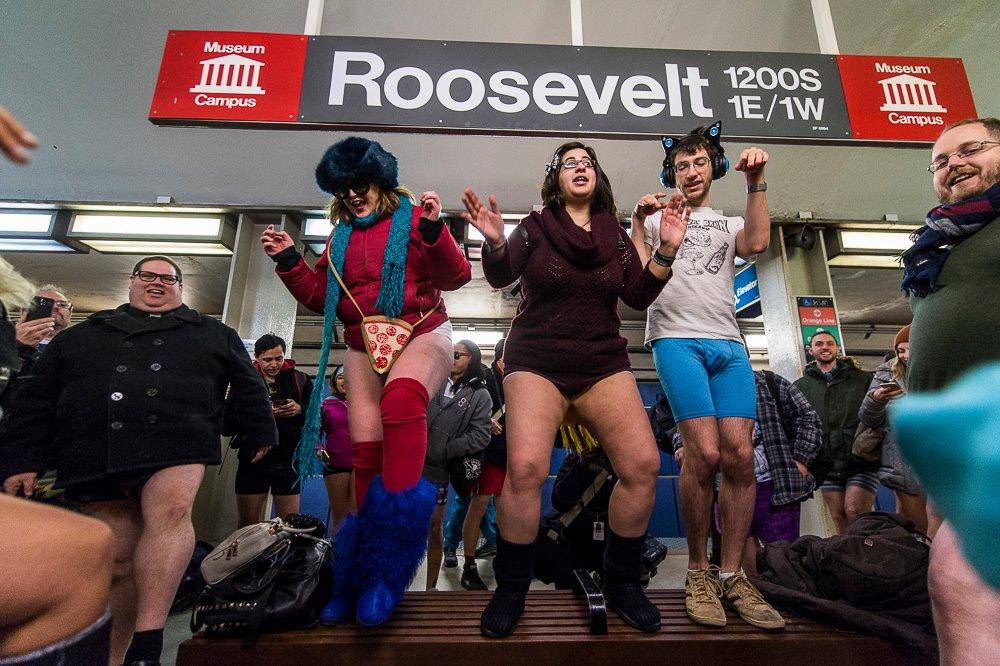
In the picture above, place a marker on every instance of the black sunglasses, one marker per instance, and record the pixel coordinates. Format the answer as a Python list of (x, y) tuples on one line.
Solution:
[(459, 355), (360, 189)]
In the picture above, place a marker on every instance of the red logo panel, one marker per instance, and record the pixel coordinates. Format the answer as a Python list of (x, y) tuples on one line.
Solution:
[(904, 98), (244, 76)]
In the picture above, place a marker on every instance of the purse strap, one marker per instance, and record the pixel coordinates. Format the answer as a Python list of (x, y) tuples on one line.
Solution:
[(343, 288), (588, 495)]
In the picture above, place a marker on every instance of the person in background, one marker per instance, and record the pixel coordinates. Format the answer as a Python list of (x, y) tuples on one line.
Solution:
[(335, 452), (888, 384), (458, 421)]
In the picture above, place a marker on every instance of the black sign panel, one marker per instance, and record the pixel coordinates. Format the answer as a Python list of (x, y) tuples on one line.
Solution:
[(569, 91)]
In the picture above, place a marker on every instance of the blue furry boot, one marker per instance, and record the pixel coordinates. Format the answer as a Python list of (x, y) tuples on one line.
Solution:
[(393, 541), (345, 588)]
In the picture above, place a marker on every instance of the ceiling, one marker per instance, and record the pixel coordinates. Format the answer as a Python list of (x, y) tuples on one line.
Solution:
[(81, 76)]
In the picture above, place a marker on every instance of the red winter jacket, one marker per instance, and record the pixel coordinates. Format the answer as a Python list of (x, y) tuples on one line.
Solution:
[(430, 269)]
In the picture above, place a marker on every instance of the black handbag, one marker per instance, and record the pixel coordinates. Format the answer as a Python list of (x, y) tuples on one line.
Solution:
[(464, 472), (282, 589)]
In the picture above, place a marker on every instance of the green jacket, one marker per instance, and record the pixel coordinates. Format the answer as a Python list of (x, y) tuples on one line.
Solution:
[(837, 404)]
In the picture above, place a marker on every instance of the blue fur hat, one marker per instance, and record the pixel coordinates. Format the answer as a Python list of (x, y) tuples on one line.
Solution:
[(357, 159)]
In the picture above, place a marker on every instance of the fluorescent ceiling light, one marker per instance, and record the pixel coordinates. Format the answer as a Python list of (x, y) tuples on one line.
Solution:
[(756, 341), (26, 223), (884, 241), (32, 245), (316, 228), (116, 246), (316, 248), (481, 338), (865, 261), (473, 235), (144, 225)]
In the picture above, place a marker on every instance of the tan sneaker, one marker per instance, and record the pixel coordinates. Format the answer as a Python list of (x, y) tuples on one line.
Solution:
[(701, 597), (740, 593)]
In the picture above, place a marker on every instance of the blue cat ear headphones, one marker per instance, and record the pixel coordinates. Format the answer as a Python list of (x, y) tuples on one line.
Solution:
[(720, 163)]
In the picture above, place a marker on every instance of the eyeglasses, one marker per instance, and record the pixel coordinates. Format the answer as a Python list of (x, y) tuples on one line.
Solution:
[(967, 150), (66, 305), (459, 355), (359, 189), (573, 163), (699, 163), (148, 276)]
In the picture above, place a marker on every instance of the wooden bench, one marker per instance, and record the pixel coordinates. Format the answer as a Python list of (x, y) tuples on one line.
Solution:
[(442, 628)]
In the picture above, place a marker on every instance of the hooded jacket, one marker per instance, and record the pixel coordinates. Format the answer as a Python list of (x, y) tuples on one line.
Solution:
[(894, 471), (456, 428)]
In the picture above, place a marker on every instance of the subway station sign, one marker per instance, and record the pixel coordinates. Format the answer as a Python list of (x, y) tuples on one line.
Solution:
[(269, 80)]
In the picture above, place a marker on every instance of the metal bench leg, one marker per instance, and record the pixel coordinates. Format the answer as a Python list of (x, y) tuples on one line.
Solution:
[(586, 585)]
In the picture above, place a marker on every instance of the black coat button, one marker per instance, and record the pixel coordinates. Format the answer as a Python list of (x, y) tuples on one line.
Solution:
[(121, 368), (151, 392), (155, 367), (116, 425), (158, 342), (152, 418)]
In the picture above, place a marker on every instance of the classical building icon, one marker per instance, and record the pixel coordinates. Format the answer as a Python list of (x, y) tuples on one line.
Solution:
[(230, 74), (909, 93)]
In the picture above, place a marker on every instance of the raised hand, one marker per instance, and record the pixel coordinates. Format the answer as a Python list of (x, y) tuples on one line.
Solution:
[(751, 163), (673, 223), (487, 220), (431, 203), (30, 333), (649, 204), (14, 138), (275, 241)]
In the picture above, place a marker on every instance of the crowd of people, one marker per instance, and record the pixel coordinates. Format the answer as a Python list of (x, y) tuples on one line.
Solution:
[(128, 406)]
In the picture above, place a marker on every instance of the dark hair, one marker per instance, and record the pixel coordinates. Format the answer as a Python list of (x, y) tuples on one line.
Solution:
[(332, 380), (992, 125), (813, 337), (158, 257), (473, 371), (268, 341), (603, 200), (692, 143)]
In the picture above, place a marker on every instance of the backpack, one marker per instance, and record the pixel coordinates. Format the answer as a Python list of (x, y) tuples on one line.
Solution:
[(661, 419), (821, 464)]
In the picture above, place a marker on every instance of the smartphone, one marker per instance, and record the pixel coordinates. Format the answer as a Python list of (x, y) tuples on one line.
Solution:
[(40, 308), (891, 384), (278, 402)]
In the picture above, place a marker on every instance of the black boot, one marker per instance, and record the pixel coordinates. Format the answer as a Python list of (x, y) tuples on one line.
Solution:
[(470, 576), (512, 567), (622, 589)]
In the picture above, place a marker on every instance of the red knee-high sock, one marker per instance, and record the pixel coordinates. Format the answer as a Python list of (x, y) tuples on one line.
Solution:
[(367, 461), (404, 433)]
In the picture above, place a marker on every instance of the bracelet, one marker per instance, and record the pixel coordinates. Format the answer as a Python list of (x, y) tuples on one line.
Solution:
[(758, 187), (663, 260), (499, 247)]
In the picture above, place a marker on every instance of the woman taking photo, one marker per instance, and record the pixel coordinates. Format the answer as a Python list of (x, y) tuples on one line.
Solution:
[(385, 265), (458, 422), (336, 452), (564, 351)]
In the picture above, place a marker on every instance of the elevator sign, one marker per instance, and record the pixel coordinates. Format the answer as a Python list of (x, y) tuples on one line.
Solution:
[(407, 85)]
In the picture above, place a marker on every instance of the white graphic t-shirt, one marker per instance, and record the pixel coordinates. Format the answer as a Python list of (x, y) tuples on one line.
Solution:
[(698, 300)]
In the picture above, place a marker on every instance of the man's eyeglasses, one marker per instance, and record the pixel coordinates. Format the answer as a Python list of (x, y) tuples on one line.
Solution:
[(66, 305), (699, 163), (967, 150), (572, 163), (359, 189), (148, 276), (459, 355)]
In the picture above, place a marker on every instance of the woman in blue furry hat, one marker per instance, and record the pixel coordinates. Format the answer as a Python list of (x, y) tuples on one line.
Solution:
[(386, 263)]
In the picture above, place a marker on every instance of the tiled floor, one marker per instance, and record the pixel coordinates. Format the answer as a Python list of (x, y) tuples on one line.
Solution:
[(669, 575)]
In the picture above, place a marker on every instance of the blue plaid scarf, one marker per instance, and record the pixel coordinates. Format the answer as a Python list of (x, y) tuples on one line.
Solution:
[(946, 226), (390, 302)]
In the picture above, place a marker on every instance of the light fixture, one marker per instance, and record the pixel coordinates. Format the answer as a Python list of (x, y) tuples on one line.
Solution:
[(756, 341), (481, 338), (866, 248), (115, 232), (35, 230), (473, 235), (315, 231)]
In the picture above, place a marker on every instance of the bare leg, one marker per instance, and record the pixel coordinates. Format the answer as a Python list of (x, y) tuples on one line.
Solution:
[(835, 503), (50, 593), (857, 500), (933, 520), (738, 489), (125, 520), (250, 508), (625, 434), (338, 490), (286, 504), (470, 528), (701, 461), (167, 541), (913, 507), (965, 608), (535, 409), (749, 560), (435, 547)]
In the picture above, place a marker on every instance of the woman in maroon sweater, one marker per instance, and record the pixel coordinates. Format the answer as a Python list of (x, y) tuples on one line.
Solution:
[(565, 352)]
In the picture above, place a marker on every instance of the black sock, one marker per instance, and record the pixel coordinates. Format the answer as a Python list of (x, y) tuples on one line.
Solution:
[(146, 646), (470, 562)]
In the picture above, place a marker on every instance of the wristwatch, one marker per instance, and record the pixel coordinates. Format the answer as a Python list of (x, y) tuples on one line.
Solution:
[(759, 187)]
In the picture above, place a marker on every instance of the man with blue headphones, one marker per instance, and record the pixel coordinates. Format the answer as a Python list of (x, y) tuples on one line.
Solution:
[(703, 365)]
